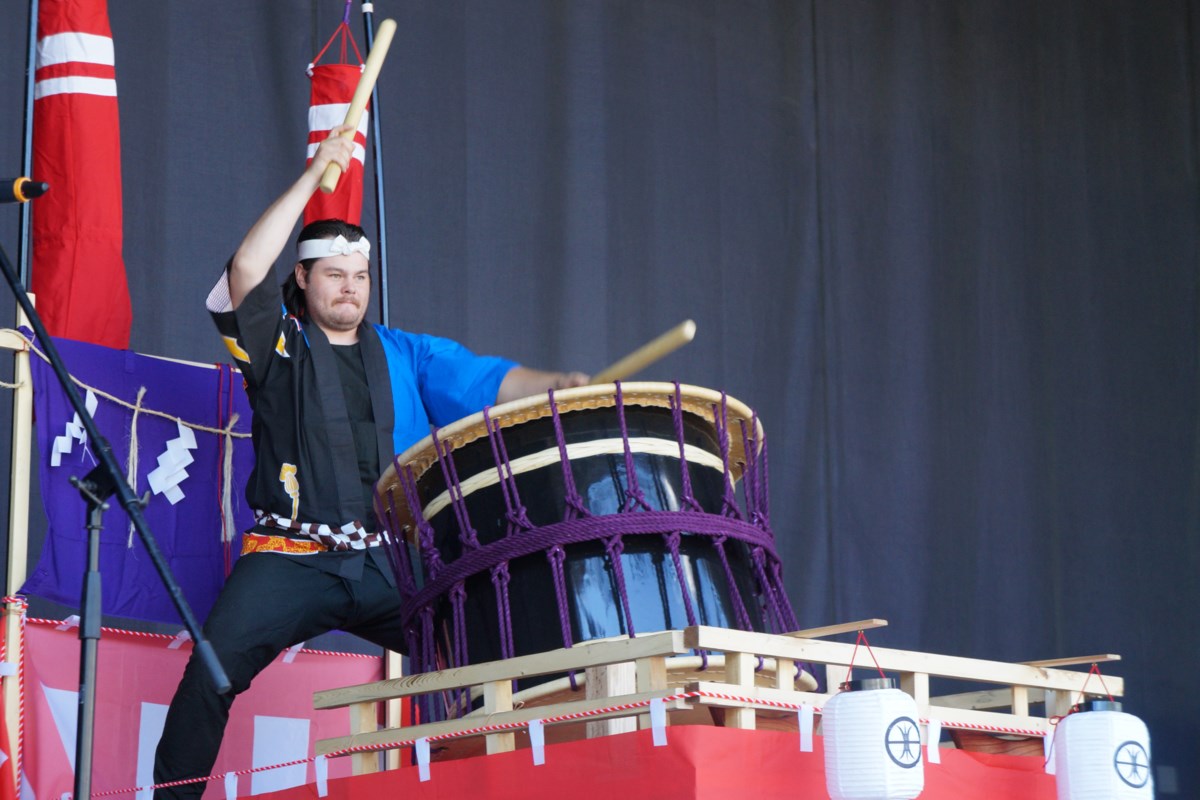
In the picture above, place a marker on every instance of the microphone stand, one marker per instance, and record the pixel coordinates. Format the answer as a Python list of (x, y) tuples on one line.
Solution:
[(376, 141), (96, 487)]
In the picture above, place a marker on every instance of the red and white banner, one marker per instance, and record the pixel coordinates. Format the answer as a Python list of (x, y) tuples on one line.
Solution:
[(271, 723), (332, 90), (8, 784), (78, 268)]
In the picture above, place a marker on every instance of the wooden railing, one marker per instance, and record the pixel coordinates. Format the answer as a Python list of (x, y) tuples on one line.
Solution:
[(739, 695)]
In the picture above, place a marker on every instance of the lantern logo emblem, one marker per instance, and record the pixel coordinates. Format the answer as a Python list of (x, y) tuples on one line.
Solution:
[(1132, 763), (903, 742)]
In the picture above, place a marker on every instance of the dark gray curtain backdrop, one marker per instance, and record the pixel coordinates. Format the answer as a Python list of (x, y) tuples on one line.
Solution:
[(947, 250)]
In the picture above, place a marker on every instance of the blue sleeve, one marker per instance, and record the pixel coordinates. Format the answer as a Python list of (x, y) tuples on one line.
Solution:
[(453, 382)]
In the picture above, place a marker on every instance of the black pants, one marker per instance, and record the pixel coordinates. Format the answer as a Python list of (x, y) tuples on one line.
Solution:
[(269, 603)]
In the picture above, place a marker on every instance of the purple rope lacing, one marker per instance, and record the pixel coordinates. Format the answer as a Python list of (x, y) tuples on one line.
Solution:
[(729, 507), (466, 533), (556, 556), (579, 525), (458, 602), (739, 606), (431, 557), (585, 530), (516, 514), (573, 508), (395, 545), (500, 580), (633, 489), (613, 546), (426, 657), (687, 501), (775, 618), (573, 501)]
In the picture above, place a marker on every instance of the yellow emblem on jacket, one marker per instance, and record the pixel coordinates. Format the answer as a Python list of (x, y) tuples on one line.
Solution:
[(287, 475), (235, 349), (281, 347)]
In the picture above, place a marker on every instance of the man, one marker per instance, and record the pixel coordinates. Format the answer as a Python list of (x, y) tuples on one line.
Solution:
[(334, 399)]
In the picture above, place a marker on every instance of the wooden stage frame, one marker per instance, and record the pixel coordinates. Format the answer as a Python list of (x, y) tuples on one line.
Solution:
[(1013, 687)]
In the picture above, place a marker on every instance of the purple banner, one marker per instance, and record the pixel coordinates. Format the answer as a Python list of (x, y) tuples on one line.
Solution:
[(180, 464)]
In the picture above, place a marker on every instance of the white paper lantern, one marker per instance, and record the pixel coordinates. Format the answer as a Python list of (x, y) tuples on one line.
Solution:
[(1102, 754), (872, 743)]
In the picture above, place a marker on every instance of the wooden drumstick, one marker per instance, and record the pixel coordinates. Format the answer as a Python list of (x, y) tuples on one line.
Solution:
[(648, 353), (362, 93)]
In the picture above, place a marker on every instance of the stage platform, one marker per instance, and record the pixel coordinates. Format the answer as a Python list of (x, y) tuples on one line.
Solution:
[(696, 762)]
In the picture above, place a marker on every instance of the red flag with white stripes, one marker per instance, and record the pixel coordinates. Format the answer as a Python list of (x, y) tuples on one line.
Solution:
[(78, 269), (332, 90)]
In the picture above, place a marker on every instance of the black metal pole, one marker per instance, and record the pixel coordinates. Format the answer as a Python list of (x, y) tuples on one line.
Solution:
[(106, 479), (368, 10), (23, 240), (89, 633)]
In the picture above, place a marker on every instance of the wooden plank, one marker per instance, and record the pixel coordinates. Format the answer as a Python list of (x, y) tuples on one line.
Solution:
[(763, 697), (1073, 662), (739, 675), (380, 739), (1020, 701), (967, 669), (785, 674), (20, 454), (573, 658), (916, 684), (610, 680), (393, 667), (650, 675), (845, 627), (363, 719), (497, 698), (1000, 697), (754, 696)]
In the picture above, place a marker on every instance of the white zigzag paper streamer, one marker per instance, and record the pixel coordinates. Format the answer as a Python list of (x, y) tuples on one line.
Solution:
[(74, 432), (171, 470)]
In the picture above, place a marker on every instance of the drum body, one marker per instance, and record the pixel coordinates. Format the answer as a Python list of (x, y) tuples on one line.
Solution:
[(590, 514), (595, 609)]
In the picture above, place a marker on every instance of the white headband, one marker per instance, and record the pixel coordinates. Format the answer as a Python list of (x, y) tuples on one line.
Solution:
[(320, 248)]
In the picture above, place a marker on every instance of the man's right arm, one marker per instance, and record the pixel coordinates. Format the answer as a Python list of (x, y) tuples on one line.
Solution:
[(269, 235)]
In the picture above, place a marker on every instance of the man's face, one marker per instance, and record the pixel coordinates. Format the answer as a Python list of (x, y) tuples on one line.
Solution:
[(336, 289)]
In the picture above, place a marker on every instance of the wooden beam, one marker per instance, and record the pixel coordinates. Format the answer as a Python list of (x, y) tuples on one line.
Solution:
[(957, 667), (1073, 662), (766, 698), (363, 719), (20, 452), (845, 627), (573, 658), (393, 667), (497, 698), (381, 739), (739, 677)]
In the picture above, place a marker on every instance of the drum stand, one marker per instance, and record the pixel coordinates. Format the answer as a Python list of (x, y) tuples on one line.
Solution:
[(100, 484)]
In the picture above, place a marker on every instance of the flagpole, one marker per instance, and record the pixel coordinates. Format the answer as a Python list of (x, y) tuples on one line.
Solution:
[(23, 242), (368, 11), (19, 444)]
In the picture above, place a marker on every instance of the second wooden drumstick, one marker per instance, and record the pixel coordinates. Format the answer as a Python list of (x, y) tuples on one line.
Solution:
[(362, 93), (648, 353)]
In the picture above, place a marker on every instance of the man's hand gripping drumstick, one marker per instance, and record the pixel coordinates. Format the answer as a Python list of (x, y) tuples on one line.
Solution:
[(269, 235), (362, 93)]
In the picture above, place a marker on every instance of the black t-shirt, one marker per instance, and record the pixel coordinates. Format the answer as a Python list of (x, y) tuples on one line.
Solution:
[(362, 422)]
